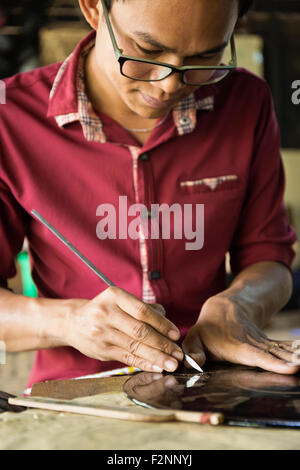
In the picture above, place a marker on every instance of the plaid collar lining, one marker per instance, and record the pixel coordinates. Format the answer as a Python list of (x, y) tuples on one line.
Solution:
[(184, 113)]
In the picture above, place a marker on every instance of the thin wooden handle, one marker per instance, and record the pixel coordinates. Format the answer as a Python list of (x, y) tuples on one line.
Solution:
[(199, 417), (132, 414), (125, 413)]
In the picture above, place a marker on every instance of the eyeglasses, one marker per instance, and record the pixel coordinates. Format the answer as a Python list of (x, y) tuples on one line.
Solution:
[(154, 71)]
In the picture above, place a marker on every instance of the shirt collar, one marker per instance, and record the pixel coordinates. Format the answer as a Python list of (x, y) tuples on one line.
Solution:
[(68, 101)]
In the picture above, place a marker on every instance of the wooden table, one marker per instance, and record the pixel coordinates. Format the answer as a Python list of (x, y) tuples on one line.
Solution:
[(35, 429)]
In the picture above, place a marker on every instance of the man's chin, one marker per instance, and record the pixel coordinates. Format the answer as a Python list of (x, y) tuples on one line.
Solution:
[(146, 112), (139, 106)]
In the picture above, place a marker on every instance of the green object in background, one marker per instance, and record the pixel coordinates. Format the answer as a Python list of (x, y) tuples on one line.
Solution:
[(29, 288)]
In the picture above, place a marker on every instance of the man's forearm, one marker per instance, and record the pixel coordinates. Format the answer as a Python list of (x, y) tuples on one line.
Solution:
[(261, 290), (31, 323)]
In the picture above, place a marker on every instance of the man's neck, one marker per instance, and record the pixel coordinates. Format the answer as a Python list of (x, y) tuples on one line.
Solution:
[(104, 98)]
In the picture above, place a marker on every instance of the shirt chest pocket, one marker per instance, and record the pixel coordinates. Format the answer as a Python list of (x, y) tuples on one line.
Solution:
[(222, 198), (224, 184)]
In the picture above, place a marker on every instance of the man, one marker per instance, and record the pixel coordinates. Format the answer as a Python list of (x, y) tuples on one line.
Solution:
[(154, 134)]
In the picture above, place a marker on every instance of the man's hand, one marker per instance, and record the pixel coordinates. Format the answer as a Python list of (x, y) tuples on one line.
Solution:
[(224, 332), (117, 326)]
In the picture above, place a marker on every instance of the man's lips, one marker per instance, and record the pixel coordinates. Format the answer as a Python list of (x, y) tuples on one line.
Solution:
[(154, 103)]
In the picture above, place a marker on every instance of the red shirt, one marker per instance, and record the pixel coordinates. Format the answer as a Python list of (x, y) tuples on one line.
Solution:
[(219, 147)]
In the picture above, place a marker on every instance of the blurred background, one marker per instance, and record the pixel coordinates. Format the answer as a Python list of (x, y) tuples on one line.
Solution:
[(38, 33)]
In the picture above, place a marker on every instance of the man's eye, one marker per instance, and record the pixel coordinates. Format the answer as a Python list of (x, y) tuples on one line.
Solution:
[(148, 51), (208, 56)]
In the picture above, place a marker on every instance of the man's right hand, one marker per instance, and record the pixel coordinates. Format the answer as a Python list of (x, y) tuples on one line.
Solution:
[(117, 326)]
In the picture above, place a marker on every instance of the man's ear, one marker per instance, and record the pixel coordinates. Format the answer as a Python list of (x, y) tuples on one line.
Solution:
[(90, 10)]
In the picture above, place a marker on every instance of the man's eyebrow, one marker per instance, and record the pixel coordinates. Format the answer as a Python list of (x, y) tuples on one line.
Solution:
[(146, 37)]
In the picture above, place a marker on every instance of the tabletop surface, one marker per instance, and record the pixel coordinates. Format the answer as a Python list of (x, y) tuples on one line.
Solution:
[(37, 429)]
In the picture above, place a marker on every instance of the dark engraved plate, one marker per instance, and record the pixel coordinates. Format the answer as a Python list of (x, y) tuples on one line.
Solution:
[(246, 396)]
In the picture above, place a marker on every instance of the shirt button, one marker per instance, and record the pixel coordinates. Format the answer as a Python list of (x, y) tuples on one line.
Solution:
[(154, 275), (148, 213), (184, 121), (144, 157)]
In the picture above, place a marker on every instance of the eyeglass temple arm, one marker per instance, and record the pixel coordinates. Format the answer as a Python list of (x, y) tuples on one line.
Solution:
[(233, 61), (117, 50)]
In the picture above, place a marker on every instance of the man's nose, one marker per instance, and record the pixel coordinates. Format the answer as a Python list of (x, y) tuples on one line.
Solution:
[(169, 84)]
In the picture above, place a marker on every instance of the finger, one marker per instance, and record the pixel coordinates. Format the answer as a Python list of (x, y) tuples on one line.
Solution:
[(285, 350), (158, 359), (281, 353), (131, 360), (286, 345), (288, 342), (255, 357), (144, 333), (141, 311), (193, 346), (266, 343), (159, 308)]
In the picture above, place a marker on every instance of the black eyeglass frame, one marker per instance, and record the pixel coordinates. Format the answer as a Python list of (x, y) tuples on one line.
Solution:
[(122, 58)]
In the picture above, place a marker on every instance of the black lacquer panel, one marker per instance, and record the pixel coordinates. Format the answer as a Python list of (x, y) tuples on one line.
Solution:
[(247, 396)]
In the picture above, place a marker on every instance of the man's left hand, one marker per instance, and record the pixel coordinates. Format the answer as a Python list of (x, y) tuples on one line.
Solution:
[(224, 332)]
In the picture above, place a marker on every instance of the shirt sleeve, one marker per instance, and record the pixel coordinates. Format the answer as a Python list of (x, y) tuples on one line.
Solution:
[(13, 222), (263, 232)]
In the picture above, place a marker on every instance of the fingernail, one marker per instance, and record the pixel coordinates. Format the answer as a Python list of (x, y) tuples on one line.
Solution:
[(170, 365), (173, 334), (178, 355), (157, 369)]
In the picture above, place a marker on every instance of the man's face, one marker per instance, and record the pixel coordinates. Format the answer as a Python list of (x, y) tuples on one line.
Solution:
[(171, 31)]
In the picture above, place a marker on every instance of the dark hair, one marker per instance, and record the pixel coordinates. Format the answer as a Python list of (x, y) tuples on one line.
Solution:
[(245, 5)]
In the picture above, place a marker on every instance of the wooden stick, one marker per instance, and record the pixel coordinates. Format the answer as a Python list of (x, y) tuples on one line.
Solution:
[(126, 413)]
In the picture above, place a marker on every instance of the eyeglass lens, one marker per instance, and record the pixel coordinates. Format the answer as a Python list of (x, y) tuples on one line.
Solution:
[(152, 72)]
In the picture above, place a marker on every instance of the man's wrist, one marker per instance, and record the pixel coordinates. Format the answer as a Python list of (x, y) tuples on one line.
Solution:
[(53, 320), (260, 291), (238, 297), (227, 306)]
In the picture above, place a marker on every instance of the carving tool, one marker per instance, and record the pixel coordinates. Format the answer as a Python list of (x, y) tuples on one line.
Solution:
[(95, 270), (192, 363)]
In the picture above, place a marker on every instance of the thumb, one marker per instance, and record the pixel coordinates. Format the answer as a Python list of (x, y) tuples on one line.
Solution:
[(193, 346), (159, 309)]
